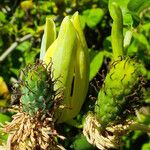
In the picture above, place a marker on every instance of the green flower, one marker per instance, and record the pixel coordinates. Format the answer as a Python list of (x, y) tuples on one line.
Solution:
[(69, 56)]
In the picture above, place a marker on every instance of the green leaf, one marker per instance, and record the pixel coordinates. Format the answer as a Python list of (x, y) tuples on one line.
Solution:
[(24, 46), (80, 143), (27, 30), (146, 28), (96, 61), (26, 4), (93, 16), (16, 71), (127, 17), (138, 5), (3, 102), (146, 146), (4, 118), (142, 40), (148, 77), (132, 49), (3, 139), (1, 42), (31, 56), (2, 17)]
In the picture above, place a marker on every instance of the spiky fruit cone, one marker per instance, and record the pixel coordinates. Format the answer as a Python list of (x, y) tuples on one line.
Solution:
[(121, 93), (33, 126)]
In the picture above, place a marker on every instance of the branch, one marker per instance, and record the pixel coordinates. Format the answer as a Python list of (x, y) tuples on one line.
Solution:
[(13, 46), (140, 127)]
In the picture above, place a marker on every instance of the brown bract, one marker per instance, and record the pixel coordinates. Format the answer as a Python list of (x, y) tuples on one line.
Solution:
[(104, 138), (32, 133)]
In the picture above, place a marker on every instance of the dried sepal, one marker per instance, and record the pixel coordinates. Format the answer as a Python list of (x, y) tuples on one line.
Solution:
[(30, 133), (104, 138)]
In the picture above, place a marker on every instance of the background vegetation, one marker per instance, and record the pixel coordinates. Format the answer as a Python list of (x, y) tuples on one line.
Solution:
[(21, 29)]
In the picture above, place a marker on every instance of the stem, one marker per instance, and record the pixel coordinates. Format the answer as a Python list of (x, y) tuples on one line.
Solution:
[(137, 126), (117, 30), (74, 123)]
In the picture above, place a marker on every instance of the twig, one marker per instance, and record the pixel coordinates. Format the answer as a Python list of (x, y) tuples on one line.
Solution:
[(141, 127), (13, 46)]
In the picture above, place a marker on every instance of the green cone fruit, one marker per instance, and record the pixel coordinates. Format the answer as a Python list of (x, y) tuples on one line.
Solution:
[(120, 92), (37, 89)]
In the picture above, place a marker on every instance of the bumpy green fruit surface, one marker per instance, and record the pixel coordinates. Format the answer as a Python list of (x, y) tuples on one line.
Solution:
[(37, 89), (119, 93)]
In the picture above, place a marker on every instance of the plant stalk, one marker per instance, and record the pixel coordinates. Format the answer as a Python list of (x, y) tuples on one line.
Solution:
[(117, 31)]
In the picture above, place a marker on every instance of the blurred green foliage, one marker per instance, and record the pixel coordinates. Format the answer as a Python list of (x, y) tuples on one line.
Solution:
[(21, 18)]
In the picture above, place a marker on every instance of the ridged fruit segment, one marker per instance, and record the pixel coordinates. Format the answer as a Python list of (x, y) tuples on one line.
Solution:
[(120, 89)]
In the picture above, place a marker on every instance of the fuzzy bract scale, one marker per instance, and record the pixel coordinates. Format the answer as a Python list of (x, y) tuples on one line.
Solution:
[(37, 89), (119, 90)]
